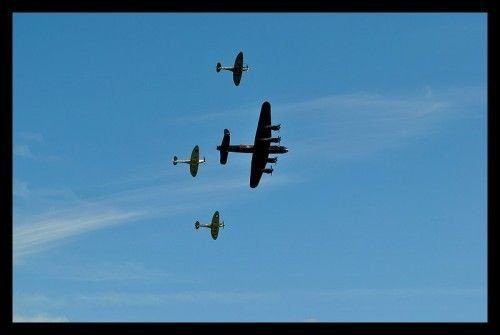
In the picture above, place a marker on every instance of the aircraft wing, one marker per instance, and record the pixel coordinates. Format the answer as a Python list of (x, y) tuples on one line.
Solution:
[(195, 156), (238, 65), (237, 77), (261, 149), (214, 227), (238, 62)]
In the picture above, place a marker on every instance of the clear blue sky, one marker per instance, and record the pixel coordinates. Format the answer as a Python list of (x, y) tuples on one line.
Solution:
[(377, 213)]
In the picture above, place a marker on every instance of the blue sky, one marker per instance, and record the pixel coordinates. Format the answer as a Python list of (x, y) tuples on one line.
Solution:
[(377, 213)]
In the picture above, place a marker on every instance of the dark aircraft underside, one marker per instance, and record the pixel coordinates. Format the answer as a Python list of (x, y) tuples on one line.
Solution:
[(261, 148)]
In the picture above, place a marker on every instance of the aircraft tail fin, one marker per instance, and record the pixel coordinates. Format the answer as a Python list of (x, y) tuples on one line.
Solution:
[(174, 160), (218, 67), (223, 146)]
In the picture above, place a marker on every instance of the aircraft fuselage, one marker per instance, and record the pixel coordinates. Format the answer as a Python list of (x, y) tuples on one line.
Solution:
[(250, 149)]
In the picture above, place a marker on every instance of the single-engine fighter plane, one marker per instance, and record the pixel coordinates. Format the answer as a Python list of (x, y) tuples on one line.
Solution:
[(214, 226), (193, 162), (237, 69), (261, 148)]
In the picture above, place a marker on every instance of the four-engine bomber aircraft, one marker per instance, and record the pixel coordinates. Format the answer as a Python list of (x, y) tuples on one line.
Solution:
[(260, 149), (214, 226), (193, 162), (237, 69)]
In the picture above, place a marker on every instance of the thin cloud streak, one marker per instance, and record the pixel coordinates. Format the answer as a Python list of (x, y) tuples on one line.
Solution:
[(39, 318), (36, 233), (23, 144), (396, 292), (34, 237), (31, 136), (158, 298), (23, 150), (357, 125), (115, 272), (340, 126), (209, 116), (360, 124), (133, 299), (20, 188)]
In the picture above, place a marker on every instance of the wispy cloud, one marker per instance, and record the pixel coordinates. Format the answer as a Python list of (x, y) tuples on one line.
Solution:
[(394, 292), (30, 238), (356, 125), (338, 126), (20, 188), (359, 124), (116, 298), (26, 142), (23, 150), (136, 177), (38, 301), (235, 296), (114, 272), (29, 136), (35, 301), (68, 217), (203, 116), (71, 218), (39, 318), (23, 142)]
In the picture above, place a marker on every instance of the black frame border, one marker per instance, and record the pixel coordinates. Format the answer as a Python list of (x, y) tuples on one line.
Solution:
[(9, 7)]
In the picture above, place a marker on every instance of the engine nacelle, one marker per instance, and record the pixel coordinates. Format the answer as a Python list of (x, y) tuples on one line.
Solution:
[(272, 139), (272, 160), (218, 67), (274, 127), (174, 160), (197, 224), (268, 171)]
